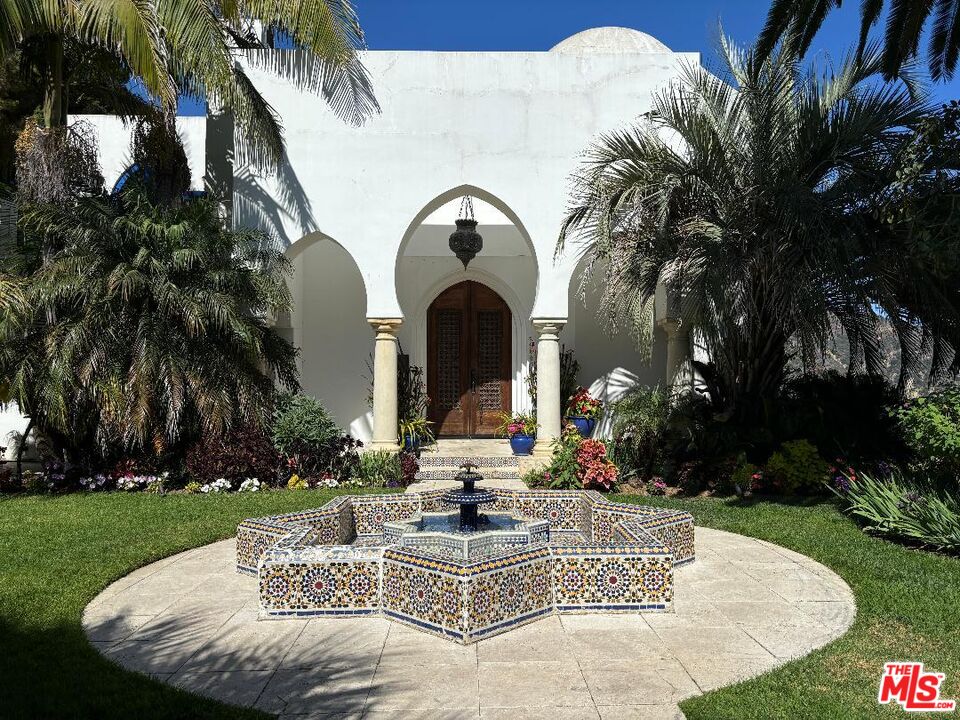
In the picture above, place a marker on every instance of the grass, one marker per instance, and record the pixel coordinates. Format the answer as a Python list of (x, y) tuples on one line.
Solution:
[(59, 552), (908, 608)]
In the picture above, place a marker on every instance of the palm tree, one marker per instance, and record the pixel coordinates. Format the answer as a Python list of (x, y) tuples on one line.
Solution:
[(183, 47), (760, 204), (147, 324), (797, 22)]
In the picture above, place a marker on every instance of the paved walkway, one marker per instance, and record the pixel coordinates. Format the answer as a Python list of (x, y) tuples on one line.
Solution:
[(742, 608)]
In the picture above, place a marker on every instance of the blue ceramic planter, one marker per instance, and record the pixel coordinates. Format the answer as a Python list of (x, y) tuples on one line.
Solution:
[(584, 425), (522, 444), (411, 443)]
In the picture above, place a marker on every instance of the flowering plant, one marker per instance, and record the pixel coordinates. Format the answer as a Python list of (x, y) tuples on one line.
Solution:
[(517, 424), (656, 486), (296, 483), (220, 485), (249, 485), (584, 405), (131, 482), (596, 470), (94, 482), (842, 477)]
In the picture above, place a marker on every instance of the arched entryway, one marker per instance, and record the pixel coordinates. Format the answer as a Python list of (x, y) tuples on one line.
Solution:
[(469, 352)]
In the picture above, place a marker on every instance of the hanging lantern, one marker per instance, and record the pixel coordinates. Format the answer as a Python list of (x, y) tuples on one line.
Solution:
[(465, 241)]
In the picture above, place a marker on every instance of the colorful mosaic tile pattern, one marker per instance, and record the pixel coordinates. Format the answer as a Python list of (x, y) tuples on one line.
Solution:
[(320, 586), (564, 510), (612, 582), (426, 598), (599, 556)]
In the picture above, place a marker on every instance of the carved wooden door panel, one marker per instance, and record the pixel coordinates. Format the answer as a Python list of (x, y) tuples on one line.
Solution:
[(468, 364)]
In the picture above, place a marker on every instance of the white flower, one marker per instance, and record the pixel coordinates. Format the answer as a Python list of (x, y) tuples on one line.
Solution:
[(220, 485), (250, 485)]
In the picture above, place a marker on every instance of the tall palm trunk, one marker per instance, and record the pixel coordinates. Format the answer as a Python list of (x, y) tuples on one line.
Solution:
[(55, 93)]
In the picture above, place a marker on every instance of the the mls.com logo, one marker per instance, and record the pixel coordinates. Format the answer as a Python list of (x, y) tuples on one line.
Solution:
[(914, 690)]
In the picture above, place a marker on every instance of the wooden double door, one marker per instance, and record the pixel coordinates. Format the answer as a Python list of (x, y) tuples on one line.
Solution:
[(468, 361)]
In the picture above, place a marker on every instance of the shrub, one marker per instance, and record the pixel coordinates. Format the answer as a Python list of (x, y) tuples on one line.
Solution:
[(379, 468), (336, 459), (576, 464), (796, 467), (745, 477), (243, 452), (905, 508), (301, 420), (931, 430), (595, 469), (639, 423), (409, 467), (305, 433), (7, 482), (841, 414), (192, 487)]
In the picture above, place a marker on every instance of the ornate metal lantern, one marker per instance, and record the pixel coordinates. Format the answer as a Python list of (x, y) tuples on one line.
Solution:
[(465, 241)]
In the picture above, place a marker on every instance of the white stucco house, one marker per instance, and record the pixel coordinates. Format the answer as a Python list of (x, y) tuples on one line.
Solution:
[(366, 212)]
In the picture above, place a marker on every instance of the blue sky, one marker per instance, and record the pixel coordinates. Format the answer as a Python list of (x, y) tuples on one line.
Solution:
[(683, 25)]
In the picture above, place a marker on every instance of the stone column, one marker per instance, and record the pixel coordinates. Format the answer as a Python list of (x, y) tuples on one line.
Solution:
[(385, 384), (548, 385), (678, 352)]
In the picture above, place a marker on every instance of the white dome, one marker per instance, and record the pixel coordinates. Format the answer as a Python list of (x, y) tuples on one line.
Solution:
[(610, 41)]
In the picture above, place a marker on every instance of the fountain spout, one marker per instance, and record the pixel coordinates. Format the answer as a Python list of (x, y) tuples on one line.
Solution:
[(469, 498)]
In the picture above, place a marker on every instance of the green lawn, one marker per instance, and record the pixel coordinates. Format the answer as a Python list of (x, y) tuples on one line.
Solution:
[(59, 552), (908, 608)]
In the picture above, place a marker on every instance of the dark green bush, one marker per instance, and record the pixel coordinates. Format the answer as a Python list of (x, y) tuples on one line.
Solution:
[(640, 420), (845, 416), (299, 420), (931, 430)]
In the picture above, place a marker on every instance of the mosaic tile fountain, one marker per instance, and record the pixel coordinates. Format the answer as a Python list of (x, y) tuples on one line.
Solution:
[(422, 560)]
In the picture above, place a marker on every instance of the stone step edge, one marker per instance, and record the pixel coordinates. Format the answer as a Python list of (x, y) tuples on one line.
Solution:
[(480, 460), (431, 475)]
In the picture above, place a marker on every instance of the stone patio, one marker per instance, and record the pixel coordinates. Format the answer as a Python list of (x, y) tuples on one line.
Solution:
[(744, 607)]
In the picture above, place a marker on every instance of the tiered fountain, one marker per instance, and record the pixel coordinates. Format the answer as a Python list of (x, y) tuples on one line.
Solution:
[(433, 561)]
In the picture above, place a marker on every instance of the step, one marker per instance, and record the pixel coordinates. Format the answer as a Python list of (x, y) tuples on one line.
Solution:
[(488, 474), (428, 460)]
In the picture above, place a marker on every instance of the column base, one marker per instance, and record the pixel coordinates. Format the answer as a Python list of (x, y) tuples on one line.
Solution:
[(543, 450), (374, 446)]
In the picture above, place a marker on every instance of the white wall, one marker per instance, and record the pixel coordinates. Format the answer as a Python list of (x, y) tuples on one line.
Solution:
[(331, 330), (512, 124), (113, 139), (11, 423), (610, 364)]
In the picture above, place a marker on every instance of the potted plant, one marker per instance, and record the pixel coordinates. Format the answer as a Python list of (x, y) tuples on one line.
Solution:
[(415, 432), (521, 428), (583, 411)]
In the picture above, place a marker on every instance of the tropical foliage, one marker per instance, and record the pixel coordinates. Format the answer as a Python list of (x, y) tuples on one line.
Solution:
[(904, 508), (640, 419), (760, 203), (146, 324), (796, 22), (177, 48)]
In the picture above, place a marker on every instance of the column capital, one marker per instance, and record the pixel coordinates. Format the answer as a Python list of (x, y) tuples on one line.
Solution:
[(385, 326), (548, 326)]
